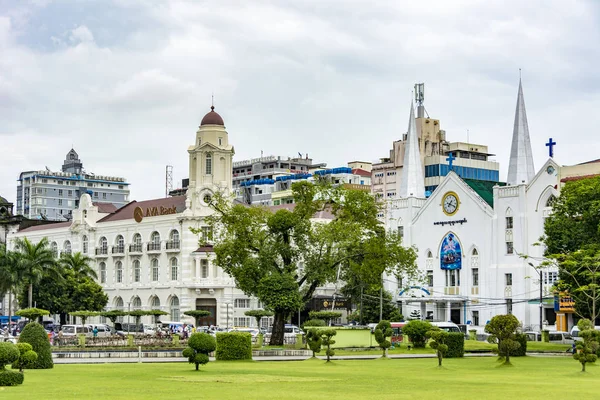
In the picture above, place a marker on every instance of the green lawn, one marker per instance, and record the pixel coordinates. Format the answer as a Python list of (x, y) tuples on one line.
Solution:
[(466, 378)]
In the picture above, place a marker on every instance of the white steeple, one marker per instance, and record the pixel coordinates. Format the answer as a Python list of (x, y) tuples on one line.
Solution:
[(412, 183), (520, 169)]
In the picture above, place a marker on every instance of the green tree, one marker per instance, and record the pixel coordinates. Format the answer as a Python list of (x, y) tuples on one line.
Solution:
[(503, 330), (326, 316), (416, 331), (35, 261), (84, 315), (314, 341), (199, 346), (572, 238), (327, 341), (36, 336), (371, 306), (79, 264), (588, 347), (113, 315), (437, 341), (10, 275), (27, 357), (258, 315), (383, 331), (32, 314), (197, 314)]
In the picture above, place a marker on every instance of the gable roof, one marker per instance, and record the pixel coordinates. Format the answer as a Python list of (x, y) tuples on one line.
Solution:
[(55, 225), (126, 212), (105, 208), (361, 172), (485, 189)]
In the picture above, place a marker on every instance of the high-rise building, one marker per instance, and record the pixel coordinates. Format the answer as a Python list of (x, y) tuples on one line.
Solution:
[(53, 196)]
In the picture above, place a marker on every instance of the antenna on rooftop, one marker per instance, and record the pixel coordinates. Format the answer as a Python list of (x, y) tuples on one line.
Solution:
[(168, 180), (420, 99)]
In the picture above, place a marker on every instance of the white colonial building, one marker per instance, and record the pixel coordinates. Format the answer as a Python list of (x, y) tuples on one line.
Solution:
[(470, 234), (146, 256)]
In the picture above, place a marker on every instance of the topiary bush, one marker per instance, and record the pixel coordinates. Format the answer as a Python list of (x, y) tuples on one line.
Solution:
[(36, 336), (416, 331), (26, 356), (326, 337), (521, 351), (199, 346), (9, 353), (310, 323), (314, 341), (456, 345), (383, 331), (234, 346)]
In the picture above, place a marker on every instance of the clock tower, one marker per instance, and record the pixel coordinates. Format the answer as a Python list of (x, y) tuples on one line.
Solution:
[(210, 164)]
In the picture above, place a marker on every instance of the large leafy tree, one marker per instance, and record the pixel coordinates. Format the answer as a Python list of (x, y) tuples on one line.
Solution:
[(572, 239), (35, 260), (282, 255), (371, 303), (79, 264), (10, 275), (503, 330)]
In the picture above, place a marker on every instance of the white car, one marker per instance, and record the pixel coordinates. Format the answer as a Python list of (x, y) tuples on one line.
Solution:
[(8, 338)]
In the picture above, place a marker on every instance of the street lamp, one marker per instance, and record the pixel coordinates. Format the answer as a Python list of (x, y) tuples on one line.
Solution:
[(539, 271)]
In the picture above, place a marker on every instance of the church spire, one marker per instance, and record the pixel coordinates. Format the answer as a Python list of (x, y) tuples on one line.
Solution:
[(521, 167), (413, 181)]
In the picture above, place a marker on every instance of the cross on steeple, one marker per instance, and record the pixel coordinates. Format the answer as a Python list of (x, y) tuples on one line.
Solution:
[(450, 160), (551, 145)]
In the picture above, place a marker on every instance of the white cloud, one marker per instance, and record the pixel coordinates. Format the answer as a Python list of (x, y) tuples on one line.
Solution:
[(127, 83)]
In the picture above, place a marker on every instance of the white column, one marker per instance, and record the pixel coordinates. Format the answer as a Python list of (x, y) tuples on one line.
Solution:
[(196, 267), (448, 311), (423, 310)]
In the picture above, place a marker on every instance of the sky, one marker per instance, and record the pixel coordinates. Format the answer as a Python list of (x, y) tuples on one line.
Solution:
[(127, 82)]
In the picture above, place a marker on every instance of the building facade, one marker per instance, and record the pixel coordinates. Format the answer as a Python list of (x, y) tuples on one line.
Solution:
[(53, 195)]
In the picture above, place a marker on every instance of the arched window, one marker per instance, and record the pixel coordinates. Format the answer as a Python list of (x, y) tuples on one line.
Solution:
[(103, 245), (173, 240), (154, 269), (54, 248), (137, 239), (136, 304), (174, 269), (174, 306), (429, 260), (119, 271), (118, 303), (102, 268), (84, 242), (137, 273), (154, 241), (155, 303), (67, 247), (120, 242), (551, 200), (475, 268), (208, 164), (136, 245)]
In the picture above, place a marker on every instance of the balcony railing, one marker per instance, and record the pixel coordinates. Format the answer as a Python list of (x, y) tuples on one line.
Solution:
[(119, 249), (154, 246), (101, 251), (173, 245), (135, 248)]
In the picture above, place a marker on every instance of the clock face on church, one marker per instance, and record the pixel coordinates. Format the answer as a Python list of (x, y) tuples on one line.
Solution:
[(450, 203)]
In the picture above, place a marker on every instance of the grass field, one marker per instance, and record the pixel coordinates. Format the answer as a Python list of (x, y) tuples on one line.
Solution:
[(466, 378)]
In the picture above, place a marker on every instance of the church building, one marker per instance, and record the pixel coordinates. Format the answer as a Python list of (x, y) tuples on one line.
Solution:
[(470, 234)]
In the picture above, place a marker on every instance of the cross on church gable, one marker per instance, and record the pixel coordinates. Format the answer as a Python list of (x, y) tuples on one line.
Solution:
[(550, 146), (450, 160)]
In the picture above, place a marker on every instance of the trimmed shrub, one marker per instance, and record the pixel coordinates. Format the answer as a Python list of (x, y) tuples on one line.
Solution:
[(310, 323), (416, 331), (521, 351), (234, 346), (456, 345), (314, 341), (26, 356), (383, 331), (10, 378), (199, 345), (36, 336), (326, 337)]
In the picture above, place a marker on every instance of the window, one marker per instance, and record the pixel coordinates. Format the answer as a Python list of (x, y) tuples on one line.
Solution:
[(476, 318), (155, 303), (154, 241), (174, 269), (60, 202), (84, 242), (207, 234), (174, 308), (103, 245), (508, 279), (550, 278), (509, 222), (154, 270), (220, 141), (136, 270), (509, 248), (241, 321), (174, 236), (54, 249), (208, 164), (453, 277), (136, 304), (242, 303), (400, 282), (104, 196), (401, 232), (67, 247), (475, 275), (429, 278), (550, 201), (96, 194), (119, 271), (69, 193), (509, 307), (102, 272), (204, 268), (60, 192)]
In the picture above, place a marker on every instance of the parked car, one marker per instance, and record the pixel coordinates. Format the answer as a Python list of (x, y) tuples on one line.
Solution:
[(103, 330), (575, 332), (75, 330), (8, 338), (554, 337)]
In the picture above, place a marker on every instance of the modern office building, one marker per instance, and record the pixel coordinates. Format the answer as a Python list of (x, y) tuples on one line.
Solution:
[(50, 195)]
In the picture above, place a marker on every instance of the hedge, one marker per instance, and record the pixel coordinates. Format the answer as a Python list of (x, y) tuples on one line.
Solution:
[(234, 346), (522, 350), (36, 336), (456, 345), (10, 378)]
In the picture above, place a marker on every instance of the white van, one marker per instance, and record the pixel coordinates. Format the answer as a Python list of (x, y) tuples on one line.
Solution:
[(75, 330), (447, 326), (575, 332), (103, 330), (554, 337)]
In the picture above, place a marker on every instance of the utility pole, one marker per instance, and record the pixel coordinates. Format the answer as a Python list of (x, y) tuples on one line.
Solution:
[(361, 304)]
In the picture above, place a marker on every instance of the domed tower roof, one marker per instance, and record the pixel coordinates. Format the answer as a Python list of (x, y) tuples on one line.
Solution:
[(212, 118)]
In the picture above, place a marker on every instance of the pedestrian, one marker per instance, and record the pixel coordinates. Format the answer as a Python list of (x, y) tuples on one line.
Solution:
[(60, 336), (95, 332)]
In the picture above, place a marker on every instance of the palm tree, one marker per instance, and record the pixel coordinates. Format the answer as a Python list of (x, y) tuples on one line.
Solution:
[(9, 275), (79, 264), (34, 261)]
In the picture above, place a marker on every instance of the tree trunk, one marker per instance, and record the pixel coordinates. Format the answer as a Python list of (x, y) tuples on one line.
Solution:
[(439, 359), (9, 311), (197, 365), (63, 318), (278, 329), (582, 367), (507, 358), (30, 296)]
